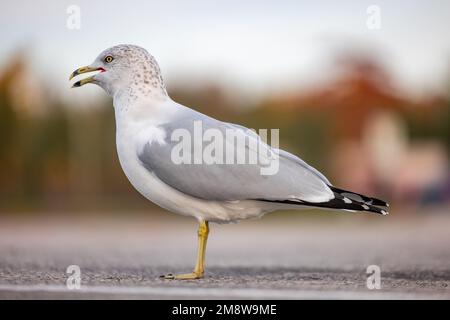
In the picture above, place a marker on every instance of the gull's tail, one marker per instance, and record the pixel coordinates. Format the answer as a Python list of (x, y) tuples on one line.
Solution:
[(344, 200)]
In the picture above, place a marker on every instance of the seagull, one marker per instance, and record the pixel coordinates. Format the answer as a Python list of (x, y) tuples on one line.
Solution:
[(149, 125)]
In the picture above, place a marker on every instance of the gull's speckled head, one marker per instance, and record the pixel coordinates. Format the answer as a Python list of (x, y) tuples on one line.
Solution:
[(124, 67)]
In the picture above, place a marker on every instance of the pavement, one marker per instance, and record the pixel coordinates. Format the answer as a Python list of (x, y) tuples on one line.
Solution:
[(281, 256)]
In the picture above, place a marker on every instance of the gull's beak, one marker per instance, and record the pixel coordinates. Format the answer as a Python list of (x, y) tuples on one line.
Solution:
[(84, 70)]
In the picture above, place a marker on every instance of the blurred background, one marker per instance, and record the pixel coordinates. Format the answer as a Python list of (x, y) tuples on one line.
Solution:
[(360, 91)]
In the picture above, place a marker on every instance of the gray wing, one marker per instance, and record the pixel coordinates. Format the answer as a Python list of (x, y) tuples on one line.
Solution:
[(294, 179), (288, 155)]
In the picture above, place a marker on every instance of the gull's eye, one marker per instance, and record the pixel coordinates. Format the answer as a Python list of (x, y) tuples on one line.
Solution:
[(109, 59)]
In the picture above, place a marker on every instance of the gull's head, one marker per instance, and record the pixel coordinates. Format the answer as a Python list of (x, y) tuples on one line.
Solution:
[(124, 67)]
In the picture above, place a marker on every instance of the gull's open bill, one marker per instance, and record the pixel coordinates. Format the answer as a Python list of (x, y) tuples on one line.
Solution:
[(82, 70)]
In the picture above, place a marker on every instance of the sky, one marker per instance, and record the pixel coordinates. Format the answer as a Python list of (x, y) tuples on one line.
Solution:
[(252, 46)]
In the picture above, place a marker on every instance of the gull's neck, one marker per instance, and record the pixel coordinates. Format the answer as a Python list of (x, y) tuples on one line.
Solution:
[(134, 107), (131, 97)]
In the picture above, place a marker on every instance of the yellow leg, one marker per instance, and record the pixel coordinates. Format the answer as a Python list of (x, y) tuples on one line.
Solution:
[(203, 231)]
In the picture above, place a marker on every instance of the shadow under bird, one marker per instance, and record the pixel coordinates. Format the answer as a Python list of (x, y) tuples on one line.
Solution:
[(146, 120)]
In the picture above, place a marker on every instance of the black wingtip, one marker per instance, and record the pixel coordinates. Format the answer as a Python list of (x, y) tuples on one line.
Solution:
[(363, 198), (338, 203)]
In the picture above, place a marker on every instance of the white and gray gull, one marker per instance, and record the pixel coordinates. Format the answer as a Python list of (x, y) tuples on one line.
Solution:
[(147, 120)]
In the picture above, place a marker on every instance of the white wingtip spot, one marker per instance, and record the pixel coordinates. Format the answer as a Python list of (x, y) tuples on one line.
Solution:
[(385, 213), (347, 200), (365, 206)]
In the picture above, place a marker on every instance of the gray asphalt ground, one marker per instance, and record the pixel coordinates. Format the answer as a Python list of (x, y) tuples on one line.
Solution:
[(282, 256)]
